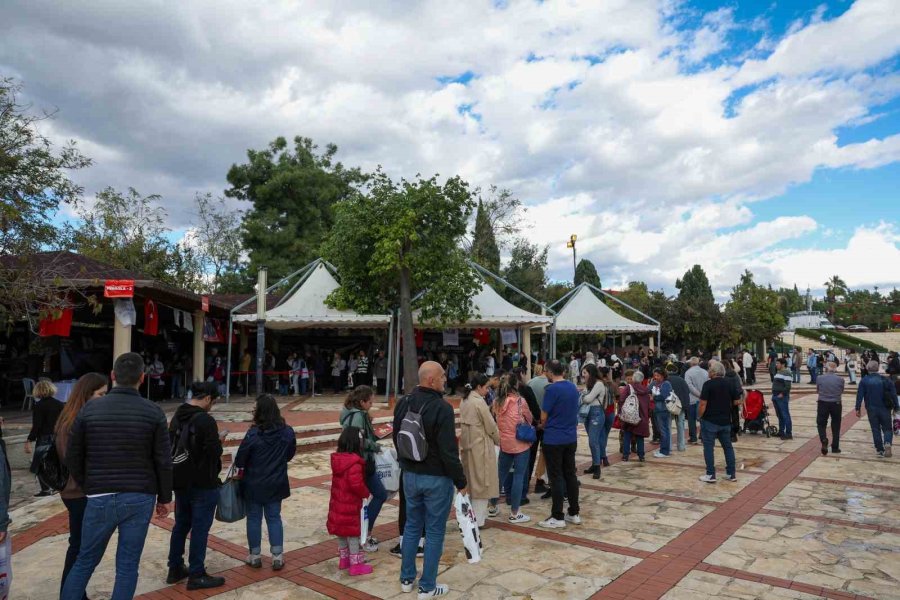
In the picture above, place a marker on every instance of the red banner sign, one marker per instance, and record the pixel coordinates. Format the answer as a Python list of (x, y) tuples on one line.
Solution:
[(204, 303), (118, 288), (895, 317)]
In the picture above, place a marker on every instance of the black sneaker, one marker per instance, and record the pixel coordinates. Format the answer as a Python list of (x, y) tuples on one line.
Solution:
[(524, 502), (540, 487), (824, 447), (396, 551), (605, 462), (176, 574), (590, 470), (204, 582), (43, 493), (835, 450), (546, 495)]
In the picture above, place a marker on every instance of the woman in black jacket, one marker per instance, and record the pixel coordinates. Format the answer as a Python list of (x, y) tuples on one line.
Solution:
[(43, 421)]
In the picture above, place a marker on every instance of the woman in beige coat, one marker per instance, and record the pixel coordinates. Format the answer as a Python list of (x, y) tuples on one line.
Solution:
[(477, 446)]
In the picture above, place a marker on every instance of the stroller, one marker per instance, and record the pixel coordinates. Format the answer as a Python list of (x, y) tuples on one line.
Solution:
[(756, 414)]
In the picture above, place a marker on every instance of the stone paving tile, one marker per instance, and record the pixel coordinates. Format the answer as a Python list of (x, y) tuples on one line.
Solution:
[(861, 505), (271, 589), (846, 470), (681, 482), (855, 560), (37, 568), (514, 565), (699, 585), (34, 513)]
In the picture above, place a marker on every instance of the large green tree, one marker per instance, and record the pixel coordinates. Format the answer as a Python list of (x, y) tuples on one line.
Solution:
[(585, 271), (696, 310), (485, 250), (216, 240), (34, 182), (753, 311), (399, 240), (834, 287), (292, 191), (527, 270)]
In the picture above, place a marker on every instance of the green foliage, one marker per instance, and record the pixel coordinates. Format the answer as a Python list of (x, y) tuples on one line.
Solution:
[(527, 270), (867, 307), (400, 239), (485, 250), (216, 240), (790, 300), (753, 311), (292, 192), (696, 314), (834, 287), (554, 291), (841, 339), (585, 271)]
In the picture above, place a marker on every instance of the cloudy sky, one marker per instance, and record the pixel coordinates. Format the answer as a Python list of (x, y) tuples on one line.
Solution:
[(664, 133)]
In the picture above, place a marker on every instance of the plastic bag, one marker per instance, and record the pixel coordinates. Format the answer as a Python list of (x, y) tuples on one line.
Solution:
[(468, 527), (231, 507), (388, 469), (364, 522)]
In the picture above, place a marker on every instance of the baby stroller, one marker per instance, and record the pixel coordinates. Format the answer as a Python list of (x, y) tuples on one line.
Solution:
[(756, 414)]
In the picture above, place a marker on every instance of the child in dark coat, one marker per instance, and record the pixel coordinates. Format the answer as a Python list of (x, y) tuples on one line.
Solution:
[(348, 490)]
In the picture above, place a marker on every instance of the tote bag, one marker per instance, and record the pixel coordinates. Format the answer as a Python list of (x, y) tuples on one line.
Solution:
[(230, 507)]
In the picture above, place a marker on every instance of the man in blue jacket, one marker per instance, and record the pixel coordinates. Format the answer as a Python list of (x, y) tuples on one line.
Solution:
[(880, 397)]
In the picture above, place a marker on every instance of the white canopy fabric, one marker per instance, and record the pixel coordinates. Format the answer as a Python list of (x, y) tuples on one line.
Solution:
[(585, 313), (306, 308), (495, 312)]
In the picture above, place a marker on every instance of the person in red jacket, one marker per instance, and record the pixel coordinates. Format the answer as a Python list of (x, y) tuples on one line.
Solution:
[(348, 490)]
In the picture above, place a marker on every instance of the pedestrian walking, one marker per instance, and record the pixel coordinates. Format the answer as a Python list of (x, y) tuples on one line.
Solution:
[(830, 388), (880, 398), (781, 396), (43, 422)]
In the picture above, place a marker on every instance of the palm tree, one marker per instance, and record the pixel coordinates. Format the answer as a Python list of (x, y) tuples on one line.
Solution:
[(834, 287)]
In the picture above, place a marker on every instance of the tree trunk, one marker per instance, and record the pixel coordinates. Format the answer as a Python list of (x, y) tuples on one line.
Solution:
[(410, 362)]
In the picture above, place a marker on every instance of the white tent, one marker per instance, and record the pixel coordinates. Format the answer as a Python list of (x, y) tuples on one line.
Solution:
[(306, 308), (585, 313), (491, 311)]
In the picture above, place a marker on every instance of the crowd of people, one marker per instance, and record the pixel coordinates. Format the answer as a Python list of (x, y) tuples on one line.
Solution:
[(126, 461)]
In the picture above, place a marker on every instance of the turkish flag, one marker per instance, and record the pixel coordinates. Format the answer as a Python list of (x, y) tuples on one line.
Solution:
[(482, 336), (420, 338), (151, 318), (61, 326)]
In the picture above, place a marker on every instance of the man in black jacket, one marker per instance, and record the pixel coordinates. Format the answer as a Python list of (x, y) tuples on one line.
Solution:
[(120, 455), (428, 484), (197, 454)]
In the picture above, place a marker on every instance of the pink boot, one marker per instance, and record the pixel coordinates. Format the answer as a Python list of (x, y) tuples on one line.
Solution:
[(358, 564), (344, 553)]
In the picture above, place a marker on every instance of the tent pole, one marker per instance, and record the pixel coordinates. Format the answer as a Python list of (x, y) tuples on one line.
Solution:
[(390, 358), (569, 293), (228, 361), (395, 368), (484, 271)]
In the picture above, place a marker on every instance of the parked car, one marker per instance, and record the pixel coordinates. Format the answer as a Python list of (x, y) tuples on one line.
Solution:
[(857, 328), (840, 328)]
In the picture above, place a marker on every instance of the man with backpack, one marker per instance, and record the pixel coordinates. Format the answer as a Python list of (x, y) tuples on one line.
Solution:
[(425, 438), (196, 464), (880, 397)]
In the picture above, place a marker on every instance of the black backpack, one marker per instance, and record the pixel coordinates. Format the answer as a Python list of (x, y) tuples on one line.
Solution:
[(51, 469), (181, 446), (411, 442)]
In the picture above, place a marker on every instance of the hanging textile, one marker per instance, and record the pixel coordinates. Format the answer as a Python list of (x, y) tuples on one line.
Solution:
[(508, 337), (57, 323), (451, 337), (151, 318), (125, 312)]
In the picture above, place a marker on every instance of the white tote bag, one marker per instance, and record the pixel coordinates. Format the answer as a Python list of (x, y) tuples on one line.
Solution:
[(364, 522), (468, 527), (388, 469)]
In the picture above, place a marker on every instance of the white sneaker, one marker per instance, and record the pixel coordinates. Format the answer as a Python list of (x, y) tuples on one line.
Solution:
[(708, 478), (439, 590), (573, 519), (552, 523), (493, 510), (659, 454), (406, 585), (519, 518), (371, 545)]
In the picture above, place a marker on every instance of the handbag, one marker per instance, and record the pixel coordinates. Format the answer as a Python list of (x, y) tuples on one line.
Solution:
[(673, 404), (583, 409), (525, 431), (230, 507)]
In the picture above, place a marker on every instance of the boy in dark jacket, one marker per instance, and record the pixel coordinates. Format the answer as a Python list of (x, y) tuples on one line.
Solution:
[(197, 452), (781, 395)]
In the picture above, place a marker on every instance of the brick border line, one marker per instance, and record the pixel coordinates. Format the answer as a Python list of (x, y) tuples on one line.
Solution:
[(872, 486), (570, 540), (830, 520), (782, 583), (653, 495), (58, 524), (654, 576)]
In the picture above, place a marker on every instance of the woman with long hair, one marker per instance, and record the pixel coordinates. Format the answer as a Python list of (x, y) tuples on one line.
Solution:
[(478, 437), (88, 387), (356, 414), (262, 460), (43, 422), (594, 396), (511, 409)]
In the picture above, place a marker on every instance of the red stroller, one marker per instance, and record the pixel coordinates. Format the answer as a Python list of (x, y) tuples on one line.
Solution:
[(756, 414)]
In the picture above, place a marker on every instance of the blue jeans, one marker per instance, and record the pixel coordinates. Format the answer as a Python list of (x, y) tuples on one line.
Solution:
[(596, 424), (379, 496), (626, 440), (882, 427), (783, 412), (679, 431), (513, 484), (795, 375), (194, 512), (272, 511), (692, 421), (813, 373), (664, 426), (607, 427), (710, 432), (129, 513), (428, 500)]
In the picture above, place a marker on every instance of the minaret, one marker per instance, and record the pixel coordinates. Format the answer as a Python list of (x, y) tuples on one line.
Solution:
[(808, 299)]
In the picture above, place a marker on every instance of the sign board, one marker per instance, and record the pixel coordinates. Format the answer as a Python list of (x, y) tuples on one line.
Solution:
[(118, 288), (895, 317), (204, 303)]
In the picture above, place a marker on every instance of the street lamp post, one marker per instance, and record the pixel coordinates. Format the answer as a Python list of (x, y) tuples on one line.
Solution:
[(571, 244)]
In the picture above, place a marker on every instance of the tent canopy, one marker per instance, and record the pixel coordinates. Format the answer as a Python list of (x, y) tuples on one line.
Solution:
[(585, 313), (493, 311), (306, 308)]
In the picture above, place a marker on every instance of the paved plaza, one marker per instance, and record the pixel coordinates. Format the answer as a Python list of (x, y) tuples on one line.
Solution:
[(795, 525)]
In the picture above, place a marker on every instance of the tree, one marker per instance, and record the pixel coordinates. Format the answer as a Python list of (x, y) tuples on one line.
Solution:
[(34, 182), (527, 270), (292, 192), (790, 300), (128, 231), (753, 311), (485, 250), (586, 272), (696, 311), (216, 239), (399, 240), (834, 287)]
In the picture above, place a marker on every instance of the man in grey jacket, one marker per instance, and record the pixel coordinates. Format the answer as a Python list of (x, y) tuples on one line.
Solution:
[(830, 387), (695, 378)]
